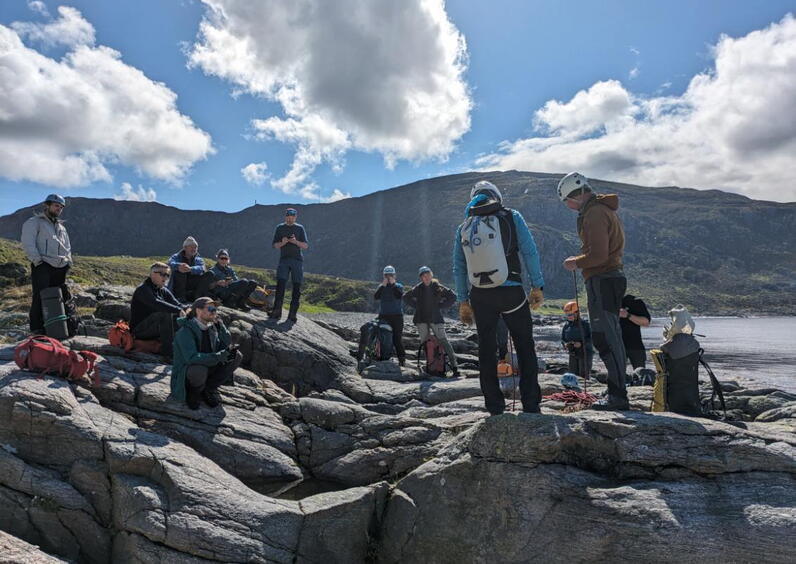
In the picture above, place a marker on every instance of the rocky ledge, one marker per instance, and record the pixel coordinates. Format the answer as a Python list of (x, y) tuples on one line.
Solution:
[(308, 461)]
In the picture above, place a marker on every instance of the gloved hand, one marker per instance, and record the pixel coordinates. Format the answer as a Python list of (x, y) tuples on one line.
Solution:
[(222, 356), (466, 313), (536, 298)]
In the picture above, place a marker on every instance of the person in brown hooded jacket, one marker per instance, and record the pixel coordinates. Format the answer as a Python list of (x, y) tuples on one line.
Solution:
[(603, 244)]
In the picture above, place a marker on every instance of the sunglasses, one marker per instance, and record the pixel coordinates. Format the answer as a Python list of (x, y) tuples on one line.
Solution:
[(290, 214), (211, 309), (163, 274)]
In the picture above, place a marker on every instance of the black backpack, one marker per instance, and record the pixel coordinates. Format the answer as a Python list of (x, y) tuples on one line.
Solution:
[(378, 340)]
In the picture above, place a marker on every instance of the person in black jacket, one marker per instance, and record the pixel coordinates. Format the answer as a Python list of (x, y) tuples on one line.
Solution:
[(390, 294), (154, 309), (632, 317), (575, 343), (428, 298)]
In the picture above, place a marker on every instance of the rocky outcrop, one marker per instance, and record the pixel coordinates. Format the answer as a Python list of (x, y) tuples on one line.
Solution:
[(599, 487), (14, 550)]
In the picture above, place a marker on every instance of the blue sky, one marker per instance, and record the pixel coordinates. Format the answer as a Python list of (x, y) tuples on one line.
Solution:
[(604, 87)]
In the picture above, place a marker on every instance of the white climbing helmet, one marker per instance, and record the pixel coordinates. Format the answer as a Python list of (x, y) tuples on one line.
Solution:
[(486, 187), (388, 270), (572, 182)]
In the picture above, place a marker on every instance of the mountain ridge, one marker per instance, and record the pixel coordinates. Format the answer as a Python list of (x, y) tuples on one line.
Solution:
[(680, 241)]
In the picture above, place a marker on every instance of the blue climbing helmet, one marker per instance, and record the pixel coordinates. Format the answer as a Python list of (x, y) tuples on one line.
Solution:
[(55, 199), (570, 381)]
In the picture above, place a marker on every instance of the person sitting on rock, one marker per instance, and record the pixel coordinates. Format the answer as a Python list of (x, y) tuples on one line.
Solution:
[(231, 290), (189, 276), (204, 357), (429, 298), (390, 297), (575, 343), (154, 309)]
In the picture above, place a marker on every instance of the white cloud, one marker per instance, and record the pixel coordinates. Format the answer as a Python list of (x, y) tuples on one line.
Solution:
[(69, 30), (39, 7), (140, 194), (379, 76), (62, 121), (634, 72), (255, 173), (733, 128)]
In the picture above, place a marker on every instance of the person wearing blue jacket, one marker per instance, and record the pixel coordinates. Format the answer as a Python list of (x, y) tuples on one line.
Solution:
[(578, 346), (488, 276), (190, 278), (390, 295)]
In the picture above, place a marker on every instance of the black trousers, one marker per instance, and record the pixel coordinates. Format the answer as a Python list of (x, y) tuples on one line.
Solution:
[(577, 365), (396, 321), (295, 298), (45, 276), (236, 293), (200, 378), (187, 287), (605, 292), (637, 358), (510, 303), (160, 326)]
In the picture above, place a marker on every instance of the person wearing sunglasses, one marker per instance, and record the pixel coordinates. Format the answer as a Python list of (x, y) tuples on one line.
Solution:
[(575, 343), (154, 309), (204, 356), (231, 290), (291, 239)]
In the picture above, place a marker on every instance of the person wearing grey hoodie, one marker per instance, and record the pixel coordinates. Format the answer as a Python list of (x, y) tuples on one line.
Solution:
[(47, 246)]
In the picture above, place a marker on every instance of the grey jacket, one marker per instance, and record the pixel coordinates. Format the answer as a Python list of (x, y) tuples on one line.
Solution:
[(46, 241)]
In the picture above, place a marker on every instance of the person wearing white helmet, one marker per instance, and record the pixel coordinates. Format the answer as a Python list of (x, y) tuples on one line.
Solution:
[(390, 295), (489, 251), (600, 261), (47, 246)]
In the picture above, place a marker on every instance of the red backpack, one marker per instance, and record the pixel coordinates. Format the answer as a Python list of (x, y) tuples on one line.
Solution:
[(46, 355), (120, 336), (435, 357)]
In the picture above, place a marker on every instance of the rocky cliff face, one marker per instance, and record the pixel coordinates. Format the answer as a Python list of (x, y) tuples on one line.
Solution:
[(711, 250), (308, 461)]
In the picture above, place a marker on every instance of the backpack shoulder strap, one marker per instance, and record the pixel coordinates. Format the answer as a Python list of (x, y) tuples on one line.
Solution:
[(714, 382)]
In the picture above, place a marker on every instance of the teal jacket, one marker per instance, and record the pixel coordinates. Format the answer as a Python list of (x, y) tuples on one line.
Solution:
[(186, 351)]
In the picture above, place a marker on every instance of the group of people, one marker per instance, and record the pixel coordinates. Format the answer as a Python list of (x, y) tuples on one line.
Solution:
[(177, 303)]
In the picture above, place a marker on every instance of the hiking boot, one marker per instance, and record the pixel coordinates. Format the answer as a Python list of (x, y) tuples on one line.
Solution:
[(401, 362), (292, 318), (212, 399), (532, 409), (611, 404), (192, 396), (455, 373), (277, 315)]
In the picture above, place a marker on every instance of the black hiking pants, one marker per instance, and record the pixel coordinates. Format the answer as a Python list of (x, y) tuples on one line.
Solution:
[(44, 276), (236, 293), (637, 358), (295, 298), (578, 365), (605, 293), (200, 378), (158, 326), (187, 287), (396, 321), (510, 303)]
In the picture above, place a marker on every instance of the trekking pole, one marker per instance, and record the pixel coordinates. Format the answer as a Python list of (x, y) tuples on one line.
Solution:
[(513, 375), (583, 366)]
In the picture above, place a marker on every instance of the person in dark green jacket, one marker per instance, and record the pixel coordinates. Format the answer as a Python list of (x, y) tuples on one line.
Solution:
[(204, 358)]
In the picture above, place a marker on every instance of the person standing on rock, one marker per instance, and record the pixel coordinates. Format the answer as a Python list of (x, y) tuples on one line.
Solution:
[(634, 315), (154, 309), (291, 239), (189, 276), (46, 244), (429, 298), (488, 252), (227, 287), (390, 295), (603, 244), (578, 346), (204, 357)]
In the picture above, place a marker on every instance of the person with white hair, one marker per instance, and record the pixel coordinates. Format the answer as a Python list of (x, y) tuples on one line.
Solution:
[(190, 278)]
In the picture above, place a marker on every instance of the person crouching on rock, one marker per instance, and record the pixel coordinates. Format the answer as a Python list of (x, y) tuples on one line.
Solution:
[(573, 342), (487, 254), (189, 276), (428, 299), (154, 309), (231, 290), (204, 358)]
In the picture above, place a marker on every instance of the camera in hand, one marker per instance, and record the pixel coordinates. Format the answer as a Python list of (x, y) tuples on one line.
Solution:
[(233, 348)]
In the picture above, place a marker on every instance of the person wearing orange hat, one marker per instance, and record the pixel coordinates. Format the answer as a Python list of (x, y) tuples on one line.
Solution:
[(575, 338)]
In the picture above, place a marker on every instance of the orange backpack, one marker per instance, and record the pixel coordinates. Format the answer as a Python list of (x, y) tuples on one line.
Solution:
[(120, 336), (46, 355)]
